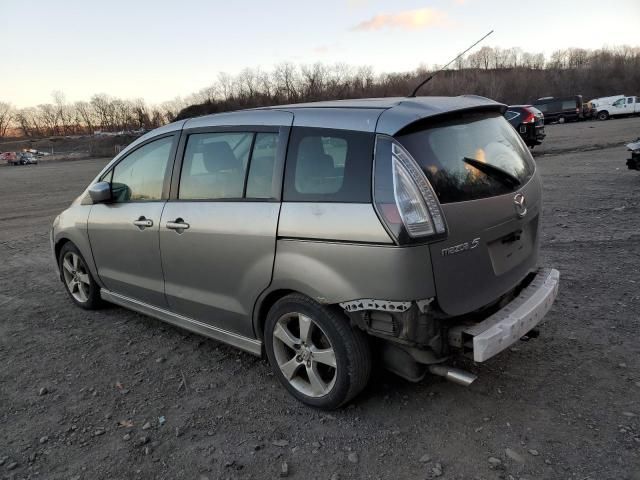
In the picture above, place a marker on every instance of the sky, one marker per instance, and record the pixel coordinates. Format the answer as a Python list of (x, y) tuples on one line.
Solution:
[(158, 50)]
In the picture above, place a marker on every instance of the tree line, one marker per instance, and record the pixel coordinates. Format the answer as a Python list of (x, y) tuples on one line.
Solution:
[(508, 75)]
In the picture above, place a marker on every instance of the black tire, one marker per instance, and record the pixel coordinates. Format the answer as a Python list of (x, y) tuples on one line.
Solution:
[(561, 120), (603, 115), (91, 290), (350, 346)]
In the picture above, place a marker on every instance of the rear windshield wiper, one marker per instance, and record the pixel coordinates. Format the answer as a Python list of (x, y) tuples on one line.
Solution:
[(494, 172)]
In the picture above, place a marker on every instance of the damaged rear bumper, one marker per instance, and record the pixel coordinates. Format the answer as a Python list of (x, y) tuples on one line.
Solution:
[(485, 339)]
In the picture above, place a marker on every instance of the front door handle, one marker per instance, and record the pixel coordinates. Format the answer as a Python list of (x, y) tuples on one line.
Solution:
[(179, 225), (143, 223)]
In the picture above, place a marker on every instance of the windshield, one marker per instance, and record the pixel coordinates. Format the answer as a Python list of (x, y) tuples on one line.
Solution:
[(474, 156)]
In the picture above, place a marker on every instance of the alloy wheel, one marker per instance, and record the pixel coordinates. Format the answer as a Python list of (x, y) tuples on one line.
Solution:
[(304, 354), (76, 276)]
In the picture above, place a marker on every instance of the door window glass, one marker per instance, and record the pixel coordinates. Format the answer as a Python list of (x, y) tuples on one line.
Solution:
[(215, 165), (140, 176), (263, 159)]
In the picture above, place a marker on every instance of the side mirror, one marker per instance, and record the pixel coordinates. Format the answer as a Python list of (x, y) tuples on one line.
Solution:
[(100, 192)]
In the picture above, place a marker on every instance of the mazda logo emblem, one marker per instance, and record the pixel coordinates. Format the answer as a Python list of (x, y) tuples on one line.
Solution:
[(521, 204)]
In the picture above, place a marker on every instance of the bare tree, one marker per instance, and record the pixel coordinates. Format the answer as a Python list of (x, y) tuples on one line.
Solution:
[(508, 75), (7, 114)]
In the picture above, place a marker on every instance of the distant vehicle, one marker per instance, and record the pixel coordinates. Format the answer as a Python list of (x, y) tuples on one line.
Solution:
[(560, 109), (633, 163), (10, 157), (588, 111), (620, 108), (18, 158), (599, 102), (27, 158), (528, 121)]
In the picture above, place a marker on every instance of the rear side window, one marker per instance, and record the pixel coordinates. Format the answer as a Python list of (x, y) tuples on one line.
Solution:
[(510, 115), (325, 165), (448, 150), (140, 175)]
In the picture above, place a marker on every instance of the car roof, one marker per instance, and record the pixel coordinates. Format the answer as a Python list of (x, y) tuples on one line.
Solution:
[(382, 115)]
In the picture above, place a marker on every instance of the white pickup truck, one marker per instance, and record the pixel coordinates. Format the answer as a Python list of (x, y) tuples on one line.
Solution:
[(622, 106)]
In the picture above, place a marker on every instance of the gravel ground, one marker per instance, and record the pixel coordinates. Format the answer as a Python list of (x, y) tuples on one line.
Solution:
[(112, 394)]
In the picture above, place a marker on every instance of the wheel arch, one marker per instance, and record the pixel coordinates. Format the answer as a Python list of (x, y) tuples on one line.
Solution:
[(57, 248), (263, 305)]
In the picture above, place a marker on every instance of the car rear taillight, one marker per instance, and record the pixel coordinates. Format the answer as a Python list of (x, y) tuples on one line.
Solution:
[(529, 117), (403, 196)]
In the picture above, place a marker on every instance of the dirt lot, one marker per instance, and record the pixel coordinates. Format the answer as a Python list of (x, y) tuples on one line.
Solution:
[(77, 388)]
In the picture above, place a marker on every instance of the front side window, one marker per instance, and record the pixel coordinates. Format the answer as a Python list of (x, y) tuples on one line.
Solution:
[(471, 156), (329, 166), (619, 103), (215, 165), (140, 176)]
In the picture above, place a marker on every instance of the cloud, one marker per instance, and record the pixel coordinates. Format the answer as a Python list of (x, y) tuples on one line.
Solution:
[(321, 50), (407, 20)]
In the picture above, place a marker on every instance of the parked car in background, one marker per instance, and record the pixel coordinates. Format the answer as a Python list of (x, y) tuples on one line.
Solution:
[(528, 122), (601, 101), (633, 163), (588, 111), (560, 109), (18, 158), (324, 235), (27, 158), (622, 107), (10, 157)]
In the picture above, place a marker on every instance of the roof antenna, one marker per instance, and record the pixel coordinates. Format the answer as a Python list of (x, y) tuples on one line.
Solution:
[(415, 90)]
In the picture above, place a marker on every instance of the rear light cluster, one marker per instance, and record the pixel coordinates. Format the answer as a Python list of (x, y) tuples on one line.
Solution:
[(529, 117), (403, 195)]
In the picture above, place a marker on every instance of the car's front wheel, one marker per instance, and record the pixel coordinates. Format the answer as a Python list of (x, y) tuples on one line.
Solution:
[(319, 358), (77, 278)]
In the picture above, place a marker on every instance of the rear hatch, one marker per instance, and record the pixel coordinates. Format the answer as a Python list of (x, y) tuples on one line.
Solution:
[(485, 180)]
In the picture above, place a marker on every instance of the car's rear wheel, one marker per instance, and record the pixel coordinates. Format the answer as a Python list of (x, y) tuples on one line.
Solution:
[(319, 358), (77, 278)]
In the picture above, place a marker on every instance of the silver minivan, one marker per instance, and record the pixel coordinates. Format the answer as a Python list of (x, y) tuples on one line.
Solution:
[(323, 235)]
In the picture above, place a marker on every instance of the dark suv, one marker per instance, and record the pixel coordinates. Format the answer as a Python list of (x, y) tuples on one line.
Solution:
[(323, 235), (528, 122), (560, 109)]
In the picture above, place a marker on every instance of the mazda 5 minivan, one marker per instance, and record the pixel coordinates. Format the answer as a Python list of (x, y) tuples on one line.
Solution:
[(323, 235)]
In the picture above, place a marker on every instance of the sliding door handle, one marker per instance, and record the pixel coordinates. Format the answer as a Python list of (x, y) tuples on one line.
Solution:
[(179, 225), (143, 223)]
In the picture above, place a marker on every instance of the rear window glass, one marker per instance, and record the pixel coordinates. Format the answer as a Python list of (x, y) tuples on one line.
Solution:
[(326, 165), (447, 152)]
